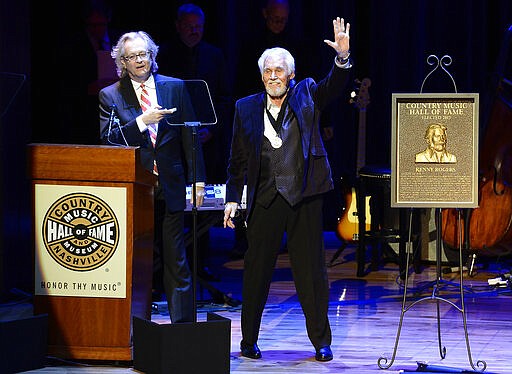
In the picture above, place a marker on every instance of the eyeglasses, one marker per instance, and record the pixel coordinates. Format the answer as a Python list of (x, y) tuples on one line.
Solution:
[(142, 55)]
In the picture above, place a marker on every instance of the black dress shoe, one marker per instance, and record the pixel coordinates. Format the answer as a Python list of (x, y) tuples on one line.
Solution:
[(324, 354), (250, 350)]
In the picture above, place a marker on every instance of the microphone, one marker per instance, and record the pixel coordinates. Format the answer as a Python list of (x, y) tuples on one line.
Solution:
[(113, 120), (113, 108)]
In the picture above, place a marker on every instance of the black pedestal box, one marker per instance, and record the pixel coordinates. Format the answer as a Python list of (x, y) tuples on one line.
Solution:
[(23, 344), (188, 348)]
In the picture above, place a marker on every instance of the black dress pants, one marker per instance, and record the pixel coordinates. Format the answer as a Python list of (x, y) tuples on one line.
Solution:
[(304, 231), (170, 261)]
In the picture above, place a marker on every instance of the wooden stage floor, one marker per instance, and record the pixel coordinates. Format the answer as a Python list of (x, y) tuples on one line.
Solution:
[(364, 314)]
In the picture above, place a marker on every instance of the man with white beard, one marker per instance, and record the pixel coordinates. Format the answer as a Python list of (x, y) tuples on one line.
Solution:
[(277, 150)]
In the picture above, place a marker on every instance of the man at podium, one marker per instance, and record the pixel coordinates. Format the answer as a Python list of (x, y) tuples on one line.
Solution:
[(138, 110)]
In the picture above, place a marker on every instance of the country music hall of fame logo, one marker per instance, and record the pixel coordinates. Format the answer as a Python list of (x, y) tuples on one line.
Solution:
[(80, 232)]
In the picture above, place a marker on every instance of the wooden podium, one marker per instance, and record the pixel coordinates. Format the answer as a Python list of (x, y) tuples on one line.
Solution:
[(93, 327)]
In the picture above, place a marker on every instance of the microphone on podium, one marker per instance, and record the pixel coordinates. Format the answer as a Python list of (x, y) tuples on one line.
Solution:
[(111, 120), (113, 108)]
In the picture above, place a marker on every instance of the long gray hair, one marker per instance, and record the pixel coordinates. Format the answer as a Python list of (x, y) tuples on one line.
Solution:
[(118, 51)]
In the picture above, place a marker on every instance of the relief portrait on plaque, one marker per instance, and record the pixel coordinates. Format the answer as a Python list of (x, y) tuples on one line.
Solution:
[(436, 152)]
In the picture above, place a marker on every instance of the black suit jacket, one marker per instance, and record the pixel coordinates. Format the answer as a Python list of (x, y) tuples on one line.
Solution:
[(306, 100), (174, 144)]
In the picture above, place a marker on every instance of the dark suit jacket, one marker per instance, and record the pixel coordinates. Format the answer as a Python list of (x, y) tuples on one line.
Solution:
[(174, 144), (306, 100)]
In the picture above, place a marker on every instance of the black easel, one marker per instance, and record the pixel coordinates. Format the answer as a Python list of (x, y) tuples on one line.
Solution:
[(385, 363)]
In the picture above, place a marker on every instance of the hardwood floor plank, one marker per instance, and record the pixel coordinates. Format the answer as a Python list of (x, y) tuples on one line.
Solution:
[(364, 315)]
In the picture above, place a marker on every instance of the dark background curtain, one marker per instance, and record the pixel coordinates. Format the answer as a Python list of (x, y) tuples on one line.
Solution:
[(391, 41)]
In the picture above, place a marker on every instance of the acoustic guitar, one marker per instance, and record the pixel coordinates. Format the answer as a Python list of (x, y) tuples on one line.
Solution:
[(348, 224)]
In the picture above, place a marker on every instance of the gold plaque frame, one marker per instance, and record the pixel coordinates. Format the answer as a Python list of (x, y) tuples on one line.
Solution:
[(425, 171)]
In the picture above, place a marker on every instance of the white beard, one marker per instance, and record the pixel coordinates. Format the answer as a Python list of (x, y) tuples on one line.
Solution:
[(277, 91)]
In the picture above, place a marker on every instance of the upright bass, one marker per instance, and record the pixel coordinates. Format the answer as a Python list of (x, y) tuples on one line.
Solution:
[(487, 229)]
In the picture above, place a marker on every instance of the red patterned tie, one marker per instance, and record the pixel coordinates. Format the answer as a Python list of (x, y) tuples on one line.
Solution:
[(145, 104)]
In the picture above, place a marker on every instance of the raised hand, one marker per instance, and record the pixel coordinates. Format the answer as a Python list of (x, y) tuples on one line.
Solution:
[(341, 41)]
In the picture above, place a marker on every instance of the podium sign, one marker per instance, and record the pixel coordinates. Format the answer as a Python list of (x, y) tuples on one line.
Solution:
[(93, 247), (80, 247), (434, 150)]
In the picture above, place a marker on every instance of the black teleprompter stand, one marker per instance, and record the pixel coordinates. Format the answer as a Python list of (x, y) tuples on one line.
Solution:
[(385, 362), (176, 347)]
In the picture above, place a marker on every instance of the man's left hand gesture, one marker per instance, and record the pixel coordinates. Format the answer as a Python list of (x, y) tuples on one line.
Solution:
[(341, 41)]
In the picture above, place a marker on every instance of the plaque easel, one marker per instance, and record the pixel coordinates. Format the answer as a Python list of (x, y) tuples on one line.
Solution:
[(415, 200)]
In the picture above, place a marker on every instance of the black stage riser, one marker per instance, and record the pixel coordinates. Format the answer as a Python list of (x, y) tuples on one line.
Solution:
[(182, 348), (23, 344)]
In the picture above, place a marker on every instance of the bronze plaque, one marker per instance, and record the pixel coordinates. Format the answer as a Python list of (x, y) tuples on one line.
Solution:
[(434, 150)]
